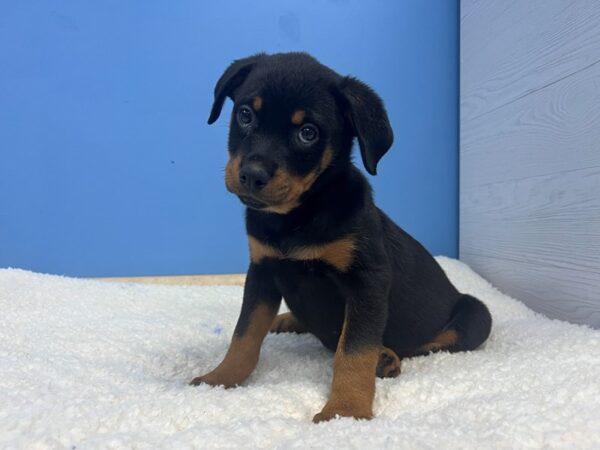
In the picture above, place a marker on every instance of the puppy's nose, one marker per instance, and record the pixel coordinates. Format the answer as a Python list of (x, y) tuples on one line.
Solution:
[(254, 177)]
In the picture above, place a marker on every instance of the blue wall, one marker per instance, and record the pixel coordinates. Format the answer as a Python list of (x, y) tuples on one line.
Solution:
[(107, 166)]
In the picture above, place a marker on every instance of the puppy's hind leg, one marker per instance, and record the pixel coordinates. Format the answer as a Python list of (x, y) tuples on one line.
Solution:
[(468, 328)]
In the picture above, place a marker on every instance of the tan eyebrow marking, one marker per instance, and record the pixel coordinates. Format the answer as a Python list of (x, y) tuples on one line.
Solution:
[(257, 104), (298, 117)]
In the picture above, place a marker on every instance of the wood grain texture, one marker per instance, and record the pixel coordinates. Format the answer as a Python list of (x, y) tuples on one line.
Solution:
[(538, 239), (552, 130), (530, 151), (510, 49), (534, 281)]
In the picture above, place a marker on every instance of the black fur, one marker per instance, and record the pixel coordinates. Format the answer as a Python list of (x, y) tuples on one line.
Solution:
[(394, 293)]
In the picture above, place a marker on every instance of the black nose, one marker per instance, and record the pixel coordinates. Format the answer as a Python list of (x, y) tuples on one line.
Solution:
[(254, 177)]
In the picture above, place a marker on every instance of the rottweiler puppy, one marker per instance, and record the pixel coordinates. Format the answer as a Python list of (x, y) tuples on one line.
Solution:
[(349, 275)]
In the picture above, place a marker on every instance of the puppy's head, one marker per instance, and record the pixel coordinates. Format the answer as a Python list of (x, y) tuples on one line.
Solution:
[(293, 121)]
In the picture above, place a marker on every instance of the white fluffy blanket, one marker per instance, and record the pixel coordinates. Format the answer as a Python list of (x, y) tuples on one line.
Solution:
[(93, 364)]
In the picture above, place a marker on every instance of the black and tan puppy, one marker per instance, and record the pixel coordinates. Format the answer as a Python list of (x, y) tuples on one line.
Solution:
[(349, 275)]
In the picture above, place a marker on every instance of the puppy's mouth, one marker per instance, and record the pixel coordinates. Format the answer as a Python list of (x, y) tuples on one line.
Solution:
[(252, 202)]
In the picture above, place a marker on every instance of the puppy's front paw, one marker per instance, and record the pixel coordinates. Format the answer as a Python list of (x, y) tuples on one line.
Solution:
[(212, 380), (331, 411), (198, 381)]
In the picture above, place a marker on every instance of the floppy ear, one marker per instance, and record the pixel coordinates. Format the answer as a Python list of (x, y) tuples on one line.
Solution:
[(369, 121), (233, 76)]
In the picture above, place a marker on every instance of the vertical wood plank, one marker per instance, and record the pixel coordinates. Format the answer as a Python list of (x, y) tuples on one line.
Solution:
[(530, 151)]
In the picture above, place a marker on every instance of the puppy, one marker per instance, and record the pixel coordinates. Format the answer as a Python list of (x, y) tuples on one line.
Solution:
[(349, 275)]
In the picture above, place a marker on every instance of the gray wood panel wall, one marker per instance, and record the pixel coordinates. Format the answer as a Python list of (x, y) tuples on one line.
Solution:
[(530, 151)]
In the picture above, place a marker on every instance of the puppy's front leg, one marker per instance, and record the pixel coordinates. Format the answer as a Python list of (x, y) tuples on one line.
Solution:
[(357, 354), (260, 305)]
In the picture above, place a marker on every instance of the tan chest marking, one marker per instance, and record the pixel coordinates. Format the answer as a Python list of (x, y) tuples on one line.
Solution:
[(338, 253)]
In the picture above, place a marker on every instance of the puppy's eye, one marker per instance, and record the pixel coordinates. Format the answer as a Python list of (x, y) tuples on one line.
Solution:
[(245, 116), (308, 134)]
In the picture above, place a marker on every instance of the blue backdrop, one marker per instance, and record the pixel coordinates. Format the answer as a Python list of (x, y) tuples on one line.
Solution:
[(107, 166)]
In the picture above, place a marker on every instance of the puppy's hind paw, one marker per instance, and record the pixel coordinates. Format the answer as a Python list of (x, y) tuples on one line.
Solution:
[(389, 364), (287, 323)]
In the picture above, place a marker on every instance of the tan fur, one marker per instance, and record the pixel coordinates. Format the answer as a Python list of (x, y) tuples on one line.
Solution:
[(260, 250), (283, 191), (443, 340), (257, 103), (287, 323), (243, 353), (232, 174), (353, 387), (298, 117), (338, 253), (295, 186)]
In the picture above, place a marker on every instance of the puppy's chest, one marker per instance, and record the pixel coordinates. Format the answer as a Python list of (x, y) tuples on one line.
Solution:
[(338, 253), (311, 292)]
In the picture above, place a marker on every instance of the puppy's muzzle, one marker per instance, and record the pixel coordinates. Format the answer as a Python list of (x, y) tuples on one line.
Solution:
[(254, 177)]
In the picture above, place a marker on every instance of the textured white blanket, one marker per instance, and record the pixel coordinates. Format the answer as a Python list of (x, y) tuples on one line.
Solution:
[(92, 364)]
